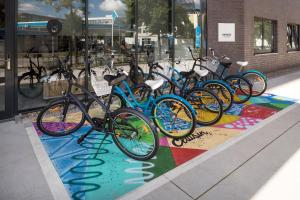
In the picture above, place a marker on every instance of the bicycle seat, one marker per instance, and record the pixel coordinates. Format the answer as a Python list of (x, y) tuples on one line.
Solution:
[(226, 64), (201, 72), (243, 64), (154, 84), (114, 80), (188, 75)]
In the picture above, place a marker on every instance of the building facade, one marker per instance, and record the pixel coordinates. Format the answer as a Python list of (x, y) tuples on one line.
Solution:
[(29, 54), (264, 32), (267, 32)]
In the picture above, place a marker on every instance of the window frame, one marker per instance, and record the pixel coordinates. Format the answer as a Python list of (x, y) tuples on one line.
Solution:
[(274, 36), (289, 49)]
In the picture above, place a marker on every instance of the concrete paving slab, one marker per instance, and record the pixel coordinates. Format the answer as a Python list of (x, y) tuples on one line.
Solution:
[(20, 173), (271, 174), (204, 172), (219, 166), (167, 191)]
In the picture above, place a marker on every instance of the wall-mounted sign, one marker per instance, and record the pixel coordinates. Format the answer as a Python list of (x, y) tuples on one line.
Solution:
[(226, 32), (198, 37)]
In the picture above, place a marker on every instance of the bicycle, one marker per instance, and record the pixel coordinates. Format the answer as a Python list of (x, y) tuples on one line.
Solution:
[(29, 83), (131, 131), (257, 79), (173, 115), (207, 105), (241, 88)]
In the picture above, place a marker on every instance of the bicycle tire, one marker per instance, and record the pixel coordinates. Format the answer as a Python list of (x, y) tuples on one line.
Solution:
[(209, 111), (185, 119), (255, 92), (29, 93), (222, 91), (139, 125), (50, 124), (241, 87)]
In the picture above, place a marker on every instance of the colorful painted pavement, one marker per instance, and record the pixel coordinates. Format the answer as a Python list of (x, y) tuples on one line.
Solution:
[(92, 173)]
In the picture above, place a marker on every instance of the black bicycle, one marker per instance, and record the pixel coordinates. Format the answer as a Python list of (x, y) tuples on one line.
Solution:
[(29, 83), (132, 132)]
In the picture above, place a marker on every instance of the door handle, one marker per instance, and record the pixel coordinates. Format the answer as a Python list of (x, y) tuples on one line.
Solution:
[(8, 67)]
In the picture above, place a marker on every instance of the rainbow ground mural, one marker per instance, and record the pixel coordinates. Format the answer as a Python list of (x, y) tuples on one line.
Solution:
[(89, 172)]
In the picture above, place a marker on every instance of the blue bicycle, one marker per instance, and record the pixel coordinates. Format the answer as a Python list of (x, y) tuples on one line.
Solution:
[(257, 79), (172, 114), (207, 105)]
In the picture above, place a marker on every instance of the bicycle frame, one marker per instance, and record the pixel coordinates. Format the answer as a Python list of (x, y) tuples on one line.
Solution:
[(69, 96), (146, 106), (132, 102)]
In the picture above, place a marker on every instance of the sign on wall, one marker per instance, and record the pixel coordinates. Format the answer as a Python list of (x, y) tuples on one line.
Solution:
[(226, 32), (198, 37)]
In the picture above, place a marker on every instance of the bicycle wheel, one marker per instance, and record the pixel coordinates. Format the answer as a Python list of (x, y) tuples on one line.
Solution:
[(30, 86), (208, 107), (96, 111), (173, 117), (222, 91), (60, 118), (242, 89), (134, 134), (259, 83)]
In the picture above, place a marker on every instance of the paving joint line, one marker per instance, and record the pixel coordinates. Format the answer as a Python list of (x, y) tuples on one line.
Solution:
[(170, 180), (241, 165)]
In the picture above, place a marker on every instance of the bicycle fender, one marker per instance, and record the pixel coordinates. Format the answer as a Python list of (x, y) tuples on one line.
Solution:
[(179, 98)]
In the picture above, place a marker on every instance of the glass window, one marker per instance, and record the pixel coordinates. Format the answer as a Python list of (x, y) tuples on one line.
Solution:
[(265, 35), (189, 15), (293, 37), (154, 19), (38, 52), (111, 29)]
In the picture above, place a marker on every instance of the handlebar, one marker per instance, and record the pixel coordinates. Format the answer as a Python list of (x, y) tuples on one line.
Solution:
[(155, 66)]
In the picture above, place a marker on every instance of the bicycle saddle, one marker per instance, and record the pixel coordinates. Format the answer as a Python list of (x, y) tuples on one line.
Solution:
[(114, 79), (243, 64), (201, 72), (226, 64), (154, 84)]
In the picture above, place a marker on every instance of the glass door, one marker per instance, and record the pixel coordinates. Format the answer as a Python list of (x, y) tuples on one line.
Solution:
[(6, 80)]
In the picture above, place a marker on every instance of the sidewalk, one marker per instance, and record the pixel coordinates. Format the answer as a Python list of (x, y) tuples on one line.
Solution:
[(258, 164), (262, 164), (21, 176), (240, 169)]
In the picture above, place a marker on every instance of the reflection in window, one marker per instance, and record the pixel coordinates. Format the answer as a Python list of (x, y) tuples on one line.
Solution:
[(39, 53), (189, 15), (265, 35), (293, 37)]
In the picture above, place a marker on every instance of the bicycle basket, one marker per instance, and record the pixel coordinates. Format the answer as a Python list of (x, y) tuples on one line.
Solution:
[(100, 85), (211, 64)]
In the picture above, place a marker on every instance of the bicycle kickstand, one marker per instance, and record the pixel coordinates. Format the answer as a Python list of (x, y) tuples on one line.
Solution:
[(80, 140)]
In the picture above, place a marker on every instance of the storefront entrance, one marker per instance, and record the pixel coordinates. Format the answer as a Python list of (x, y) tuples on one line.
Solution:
[(29, 55), (7, 70)]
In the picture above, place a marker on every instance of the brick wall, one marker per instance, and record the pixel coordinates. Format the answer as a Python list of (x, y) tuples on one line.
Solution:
[(242, 12), (226, 11), (284, 12)]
